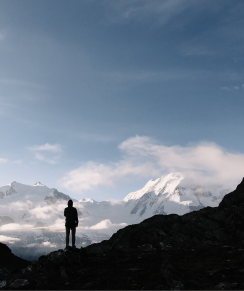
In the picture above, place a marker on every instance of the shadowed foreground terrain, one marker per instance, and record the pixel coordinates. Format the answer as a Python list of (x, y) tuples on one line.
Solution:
[(200, 250), (9, 260)]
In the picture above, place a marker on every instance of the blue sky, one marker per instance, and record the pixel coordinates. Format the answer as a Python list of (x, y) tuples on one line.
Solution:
[(86, 84)]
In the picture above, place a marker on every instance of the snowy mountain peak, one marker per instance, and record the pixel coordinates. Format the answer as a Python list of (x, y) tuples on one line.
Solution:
[(168, 194), (167, 183), (38, 184)]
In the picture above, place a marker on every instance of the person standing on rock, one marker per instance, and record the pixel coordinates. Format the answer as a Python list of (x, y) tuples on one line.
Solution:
[(71, 222)]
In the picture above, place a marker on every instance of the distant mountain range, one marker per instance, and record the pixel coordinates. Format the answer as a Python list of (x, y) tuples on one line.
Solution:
[(32, 221)]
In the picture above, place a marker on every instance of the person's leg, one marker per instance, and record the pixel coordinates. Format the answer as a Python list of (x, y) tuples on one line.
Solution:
[(73, 235), (67, 236)]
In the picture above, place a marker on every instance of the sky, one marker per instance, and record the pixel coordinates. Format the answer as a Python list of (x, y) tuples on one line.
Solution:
[(99, 96)]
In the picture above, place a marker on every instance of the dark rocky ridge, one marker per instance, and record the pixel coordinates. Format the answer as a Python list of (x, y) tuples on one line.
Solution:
[(200, 250), (9, 260)]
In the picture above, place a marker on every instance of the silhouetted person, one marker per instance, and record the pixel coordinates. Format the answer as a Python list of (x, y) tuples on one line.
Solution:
[(71, 222)]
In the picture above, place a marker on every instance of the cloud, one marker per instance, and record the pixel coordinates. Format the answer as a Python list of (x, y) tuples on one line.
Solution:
[(16, 227), (47, 153), (145, 158), (2, 35), (4, 238), (91, 175), (195, 50), (18, 162), (43, 244), (161, 12), (106, 224), (56, 148), (2, 161)]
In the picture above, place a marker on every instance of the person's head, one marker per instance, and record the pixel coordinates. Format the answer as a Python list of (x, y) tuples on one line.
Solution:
[(70, 203)]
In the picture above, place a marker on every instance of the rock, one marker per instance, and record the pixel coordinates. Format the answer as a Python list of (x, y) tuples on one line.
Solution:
[(43, 284), (9, 260), (225, 286), (234, 198), (172, 277), (64, 273), (3, 284), (19, 284)]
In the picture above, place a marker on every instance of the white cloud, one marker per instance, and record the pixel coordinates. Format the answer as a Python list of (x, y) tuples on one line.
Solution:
[(43, 244), (106, 224), (16, 227), (4, 238), (2, 161), (48, 244), (236, 87), (47, 152), (144, 157), (91, 175), (55, 148)]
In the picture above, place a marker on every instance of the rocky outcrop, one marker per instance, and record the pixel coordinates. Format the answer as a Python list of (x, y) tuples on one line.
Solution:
[(234, 198), (199, 250)]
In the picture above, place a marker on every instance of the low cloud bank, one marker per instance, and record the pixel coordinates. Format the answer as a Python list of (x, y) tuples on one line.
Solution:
[(206, 162), (106, 224), (9, 239)]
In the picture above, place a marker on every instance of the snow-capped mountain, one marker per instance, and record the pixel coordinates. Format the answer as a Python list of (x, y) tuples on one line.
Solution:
[(171, 194), (31, 217)]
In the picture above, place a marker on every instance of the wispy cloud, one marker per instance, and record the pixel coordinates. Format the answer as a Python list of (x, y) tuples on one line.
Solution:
[(47, 152), (2, 161), (2, 35), (160, 11), (195, 50), (232, 88), (18, 162), (143, 157)]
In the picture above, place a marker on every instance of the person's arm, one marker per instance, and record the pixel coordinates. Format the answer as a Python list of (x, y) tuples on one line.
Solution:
[(77, 220)]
